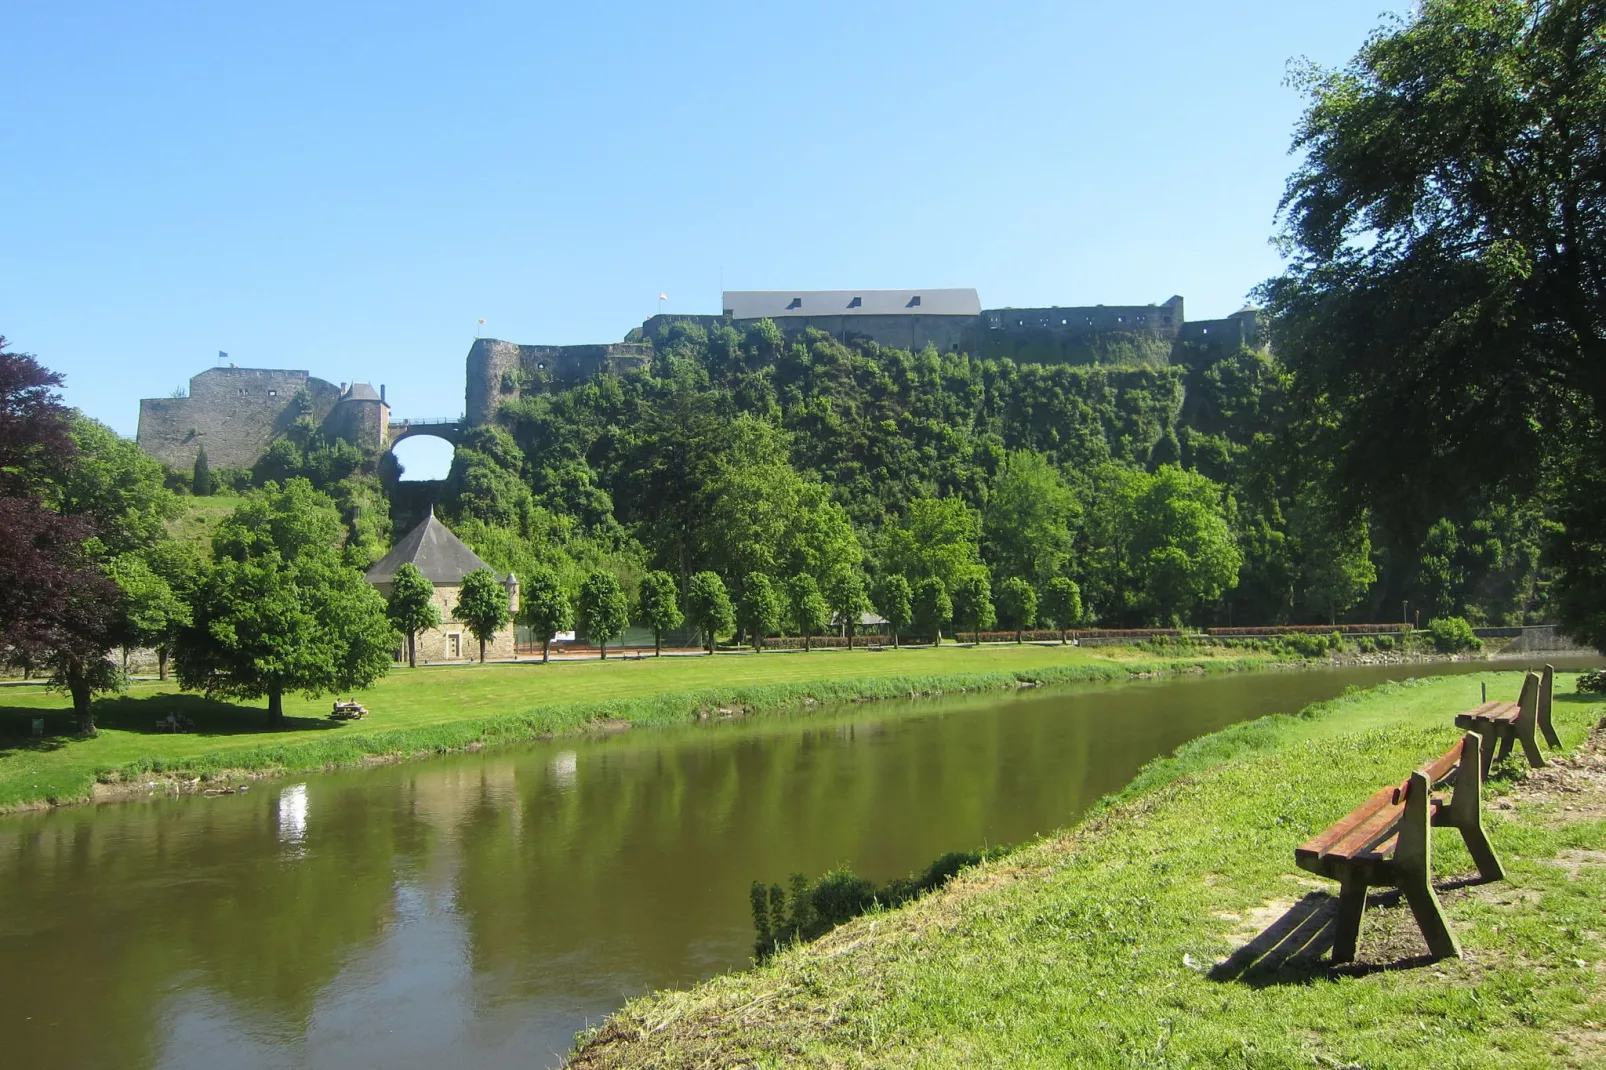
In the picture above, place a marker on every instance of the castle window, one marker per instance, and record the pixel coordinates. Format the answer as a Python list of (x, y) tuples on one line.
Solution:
[(1120, 319), (914, 302), (1065, 323), (541, 366), (857, 302), (797, 302), (273, 393)]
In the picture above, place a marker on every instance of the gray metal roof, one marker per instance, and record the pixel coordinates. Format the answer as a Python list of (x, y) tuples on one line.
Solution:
[(774, 304), (361, 392), (442, 557)]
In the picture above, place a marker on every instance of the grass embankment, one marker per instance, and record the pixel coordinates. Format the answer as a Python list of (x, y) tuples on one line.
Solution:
[(1126, 941), (446, 708)]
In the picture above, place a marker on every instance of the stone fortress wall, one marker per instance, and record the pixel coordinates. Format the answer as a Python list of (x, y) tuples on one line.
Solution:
[(501, 371), (237, 413)]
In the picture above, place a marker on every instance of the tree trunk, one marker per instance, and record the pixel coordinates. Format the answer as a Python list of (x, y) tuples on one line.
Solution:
[(657, 644), (161, 663), (412, 650), (546, 648), (603, 646), (275, 707), (895, 639), (1062, 637), (482, 652), (82, 703), (806, 640), (1017, 638), (849, 630)]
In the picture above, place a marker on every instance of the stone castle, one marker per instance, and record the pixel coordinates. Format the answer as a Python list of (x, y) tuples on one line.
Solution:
[(237, 413)]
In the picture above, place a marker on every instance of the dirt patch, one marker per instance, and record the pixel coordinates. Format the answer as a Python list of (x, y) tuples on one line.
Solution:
[(1574, 785)]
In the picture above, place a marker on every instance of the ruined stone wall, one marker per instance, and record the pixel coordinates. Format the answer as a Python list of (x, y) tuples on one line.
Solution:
[(236, 413), (949, 334), (363, 422), (501, 371), (1239, 329)]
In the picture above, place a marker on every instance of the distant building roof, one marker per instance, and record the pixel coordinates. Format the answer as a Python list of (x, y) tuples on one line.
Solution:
[(361, 392), (442, 557), (776, 304)]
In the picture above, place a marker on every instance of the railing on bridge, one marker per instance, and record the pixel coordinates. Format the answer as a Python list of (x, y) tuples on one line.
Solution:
[(426, 420)]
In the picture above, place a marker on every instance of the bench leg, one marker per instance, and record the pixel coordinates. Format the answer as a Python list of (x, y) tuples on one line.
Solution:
[(1466, 808), (1528, 720), (1546, 685), (1351, 909), (1429, 916), (1504, 750)]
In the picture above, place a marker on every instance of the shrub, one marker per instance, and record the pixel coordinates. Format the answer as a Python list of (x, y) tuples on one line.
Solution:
[(1305, 644), (1592, 682), (1365, 645), (1385, 642), (1451, 635)]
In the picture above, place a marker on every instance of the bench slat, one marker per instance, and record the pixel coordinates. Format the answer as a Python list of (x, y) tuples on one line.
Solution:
[(1362, 836), (1440, 767), (1319, 845)]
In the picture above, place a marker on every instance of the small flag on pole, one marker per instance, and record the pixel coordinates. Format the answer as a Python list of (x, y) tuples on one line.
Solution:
[(482, 321), (663, 297), (222, 355)]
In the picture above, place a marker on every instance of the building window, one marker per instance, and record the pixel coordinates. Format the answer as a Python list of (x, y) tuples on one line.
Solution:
[(914, 302), (856, 302), (797, 302), (273, 393)]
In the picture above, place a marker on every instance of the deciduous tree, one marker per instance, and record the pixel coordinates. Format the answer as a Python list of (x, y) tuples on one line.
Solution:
[(544, 606), (708, 607), (844, 593), (973, 604), (1062, 604), (895, 602), (603, 609), (810, 614), (279, 610), (412, 607), (660, 607), (760, 610), (1017, 605), (933, 608), (482, 606)]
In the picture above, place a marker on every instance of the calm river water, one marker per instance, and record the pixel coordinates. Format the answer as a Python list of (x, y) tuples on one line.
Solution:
[(478, 910)]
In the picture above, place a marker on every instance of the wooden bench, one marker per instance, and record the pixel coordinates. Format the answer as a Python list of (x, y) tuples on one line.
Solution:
[(1510, 723), (1387, 842)]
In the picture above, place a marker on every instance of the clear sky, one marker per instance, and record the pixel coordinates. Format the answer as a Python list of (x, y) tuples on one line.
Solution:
[(348, 187)]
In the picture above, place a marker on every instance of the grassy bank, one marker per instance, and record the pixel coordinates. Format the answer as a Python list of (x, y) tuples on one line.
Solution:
[(440, 709), (1143, 937)]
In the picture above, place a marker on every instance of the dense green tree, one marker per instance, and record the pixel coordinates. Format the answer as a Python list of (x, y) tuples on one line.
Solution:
[(895, 602), (939, 537), (660, 607), (1448, 263), (482, 606), (761, 608), (201, 477), (810, 614), (1028, 521), (973, 604), (115, 486), (412, 607), (150, 611), (1062, 604), (279, 610), (933, 609), (1180, 547), (708, 607), (1017, 606), (544, 606), (603, 609), (845, 595), (1336, 568)]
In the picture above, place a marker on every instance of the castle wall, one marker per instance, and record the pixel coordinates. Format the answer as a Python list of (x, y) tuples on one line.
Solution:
[(1239, 329), (234, 412), (363, 422), (501, 371)]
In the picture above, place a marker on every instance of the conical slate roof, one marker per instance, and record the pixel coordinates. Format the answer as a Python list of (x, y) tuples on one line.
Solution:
[(441, 556)]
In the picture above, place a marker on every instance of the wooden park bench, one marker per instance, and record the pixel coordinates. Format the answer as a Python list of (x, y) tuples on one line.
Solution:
[(1387, 842), (1510, 723)]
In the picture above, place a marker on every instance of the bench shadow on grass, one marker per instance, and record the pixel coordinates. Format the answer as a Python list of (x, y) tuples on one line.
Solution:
[(210, 717), (1296, 948)]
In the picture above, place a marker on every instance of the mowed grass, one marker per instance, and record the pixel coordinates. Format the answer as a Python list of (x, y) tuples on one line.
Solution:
[(200, 517), (1114, 944), (445, 708)]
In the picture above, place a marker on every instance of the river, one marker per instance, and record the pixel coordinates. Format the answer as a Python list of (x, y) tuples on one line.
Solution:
[(477, 910)]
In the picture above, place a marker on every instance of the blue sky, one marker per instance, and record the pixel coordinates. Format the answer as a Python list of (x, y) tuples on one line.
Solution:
[(347, 188)]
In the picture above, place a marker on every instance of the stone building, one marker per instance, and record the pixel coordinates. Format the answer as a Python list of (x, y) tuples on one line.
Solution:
[(444, 559), (903, 319), (237, 413)]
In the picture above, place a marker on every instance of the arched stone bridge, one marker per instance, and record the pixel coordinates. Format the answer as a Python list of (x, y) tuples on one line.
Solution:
[(449, 428)]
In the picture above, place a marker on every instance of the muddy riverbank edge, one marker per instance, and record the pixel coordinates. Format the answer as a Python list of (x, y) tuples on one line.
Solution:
[(1171, 927)]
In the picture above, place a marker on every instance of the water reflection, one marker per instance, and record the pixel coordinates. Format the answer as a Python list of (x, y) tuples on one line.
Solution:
[(478, 910)]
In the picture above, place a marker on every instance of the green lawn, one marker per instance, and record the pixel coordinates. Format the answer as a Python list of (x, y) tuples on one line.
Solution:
[(200, 517), (443, 708), (1114, 944)]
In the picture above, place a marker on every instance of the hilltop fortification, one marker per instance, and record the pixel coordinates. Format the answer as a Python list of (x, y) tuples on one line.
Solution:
[(501, 371), (236, 413)]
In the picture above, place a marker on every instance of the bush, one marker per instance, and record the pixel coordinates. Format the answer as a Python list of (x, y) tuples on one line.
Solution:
[(1451, 635), (1592, 682), (1385, 642), (1305, 644), (1365, 644)]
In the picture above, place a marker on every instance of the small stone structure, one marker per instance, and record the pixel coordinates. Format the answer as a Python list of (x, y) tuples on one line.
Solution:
[(237, 413), (444, 559)]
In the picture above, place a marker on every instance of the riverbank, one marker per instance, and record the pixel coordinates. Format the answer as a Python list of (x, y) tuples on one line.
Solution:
[(1142, 936), (438, 710)]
